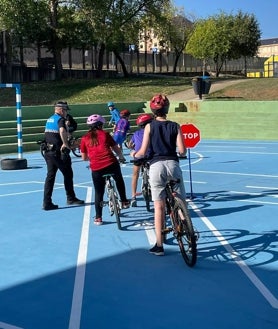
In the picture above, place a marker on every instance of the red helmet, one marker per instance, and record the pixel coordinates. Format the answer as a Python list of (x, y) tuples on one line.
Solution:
[(124, 113), (159, 104), (143, 119)]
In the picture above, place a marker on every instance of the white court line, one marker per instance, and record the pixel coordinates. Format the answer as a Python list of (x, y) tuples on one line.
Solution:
[(19, 183), (260, 202), (235, 173), (76, 306), (272, 300), (263, 187), (242, 152), (27, 192), (150, 235), (237, 146), (4, 325)]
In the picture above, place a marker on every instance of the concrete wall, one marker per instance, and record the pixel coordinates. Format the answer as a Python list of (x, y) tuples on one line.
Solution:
[(241, 120), (34, 118)]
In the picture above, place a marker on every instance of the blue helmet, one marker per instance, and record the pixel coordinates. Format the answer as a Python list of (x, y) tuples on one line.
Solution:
[(110, 104)]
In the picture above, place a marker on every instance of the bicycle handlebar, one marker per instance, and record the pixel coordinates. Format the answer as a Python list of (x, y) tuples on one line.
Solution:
[(139, 161)]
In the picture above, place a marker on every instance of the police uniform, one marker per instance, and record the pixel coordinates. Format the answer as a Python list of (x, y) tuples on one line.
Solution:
[(55, 159)]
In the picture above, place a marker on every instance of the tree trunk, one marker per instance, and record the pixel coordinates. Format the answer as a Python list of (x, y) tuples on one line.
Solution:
[(177, 56), (100, 60), (119, 58), (8, 53), (58, 64)]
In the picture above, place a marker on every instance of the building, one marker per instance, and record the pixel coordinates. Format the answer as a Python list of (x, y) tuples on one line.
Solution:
[(268, 47), (148, 41)]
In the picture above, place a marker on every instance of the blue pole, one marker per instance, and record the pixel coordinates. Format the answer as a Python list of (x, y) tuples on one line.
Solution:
[(190, 176), (19, 121), (18, 116)]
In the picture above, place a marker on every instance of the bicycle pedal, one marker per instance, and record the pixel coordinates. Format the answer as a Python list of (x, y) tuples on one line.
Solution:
[(167, 230), (196, 234)]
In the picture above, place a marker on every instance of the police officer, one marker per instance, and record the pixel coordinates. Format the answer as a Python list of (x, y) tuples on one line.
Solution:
[(57, 156)]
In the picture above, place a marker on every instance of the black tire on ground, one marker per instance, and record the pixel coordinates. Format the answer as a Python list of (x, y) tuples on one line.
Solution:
[(185, 232), (114, 200), (13, 164)]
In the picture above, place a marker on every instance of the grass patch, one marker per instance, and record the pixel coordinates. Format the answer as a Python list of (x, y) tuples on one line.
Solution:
[(260, 89), (141, 88), (94, 91)]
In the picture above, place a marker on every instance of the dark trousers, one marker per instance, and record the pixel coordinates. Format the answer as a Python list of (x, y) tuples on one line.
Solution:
[(54, 162), (99, 184)]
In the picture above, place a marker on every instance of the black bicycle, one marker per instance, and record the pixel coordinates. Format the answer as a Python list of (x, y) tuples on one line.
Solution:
[(74, 143), (180, 224), (145, 186), (113, 201)]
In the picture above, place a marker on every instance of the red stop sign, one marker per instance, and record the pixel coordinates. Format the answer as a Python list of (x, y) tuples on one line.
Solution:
[(191, 135)]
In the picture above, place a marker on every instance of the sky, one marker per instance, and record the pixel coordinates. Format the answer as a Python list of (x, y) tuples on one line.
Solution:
[(265, 11)]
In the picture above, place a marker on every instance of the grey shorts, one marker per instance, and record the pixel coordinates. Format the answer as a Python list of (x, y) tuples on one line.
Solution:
[(160, 173)]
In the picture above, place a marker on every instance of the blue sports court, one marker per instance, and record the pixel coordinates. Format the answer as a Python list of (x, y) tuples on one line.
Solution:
[(60, 271)]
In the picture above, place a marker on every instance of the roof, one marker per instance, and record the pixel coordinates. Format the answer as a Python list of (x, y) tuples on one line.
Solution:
[(265, 42)]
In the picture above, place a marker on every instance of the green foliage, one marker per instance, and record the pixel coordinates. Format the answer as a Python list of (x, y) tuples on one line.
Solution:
[(224, 37), (26, 19)]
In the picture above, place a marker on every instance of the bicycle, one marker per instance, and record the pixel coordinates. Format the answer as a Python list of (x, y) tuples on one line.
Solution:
[(145, 187), (74, 143), (113, 201), (180, 224), (127, 140)]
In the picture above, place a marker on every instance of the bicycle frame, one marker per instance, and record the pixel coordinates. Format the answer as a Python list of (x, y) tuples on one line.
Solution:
[(113, 199), (146, 188)]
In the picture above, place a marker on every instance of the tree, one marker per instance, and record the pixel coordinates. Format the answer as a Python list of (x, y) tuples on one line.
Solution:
[(19, 30), (46, 25), (246, 38), (174, 29), (116, 23), (224, 37)]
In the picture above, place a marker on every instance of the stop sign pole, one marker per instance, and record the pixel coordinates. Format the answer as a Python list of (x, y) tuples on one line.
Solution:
[(191, 137)]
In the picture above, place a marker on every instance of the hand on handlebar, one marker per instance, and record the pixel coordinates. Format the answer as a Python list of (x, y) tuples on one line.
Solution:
[(182, 156)]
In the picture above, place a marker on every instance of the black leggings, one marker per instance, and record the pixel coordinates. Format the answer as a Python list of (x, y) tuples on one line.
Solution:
[(99, 184)]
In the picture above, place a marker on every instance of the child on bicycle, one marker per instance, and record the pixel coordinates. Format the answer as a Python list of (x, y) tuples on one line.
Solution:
[(135, 144), (121, 128), (98, 147), (115, 114), (163, 137)]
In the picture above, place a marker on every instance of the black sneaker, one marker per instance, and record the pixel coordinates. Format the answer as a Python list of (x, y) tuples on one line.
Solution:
[(158, 251), (75, 201), (50, 206)]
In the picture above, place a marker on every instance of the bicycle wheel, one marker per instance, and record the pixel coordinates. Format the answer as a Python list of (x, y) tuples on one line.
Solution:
[(42, 150), (75, 146), (146, 191), (184, 232), (128, 139), (115, 203), (146, 188)]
